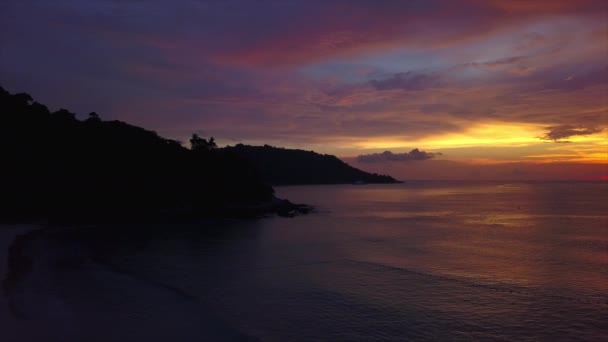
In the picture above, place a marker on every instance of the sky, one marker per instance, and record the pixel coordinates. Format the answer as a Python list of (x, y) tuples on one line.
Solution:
[(419, 89)]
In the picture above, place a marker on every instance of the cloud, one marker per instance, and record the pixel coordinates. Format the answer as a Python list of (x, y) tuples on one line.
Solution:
[(388, 156), (329, 73), (514, 65), (502, 61), (575, 79), (544, 6), (558, 133), (406, 81)]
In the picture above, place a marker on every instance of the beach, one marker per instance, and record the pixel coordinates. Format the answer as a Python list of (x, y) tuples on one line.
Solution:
[(68, 297), (12, 328)]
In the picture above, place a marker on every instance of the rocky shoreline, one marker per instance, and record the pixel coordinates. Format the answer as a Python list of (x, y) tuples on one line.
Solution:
[(274, 207)]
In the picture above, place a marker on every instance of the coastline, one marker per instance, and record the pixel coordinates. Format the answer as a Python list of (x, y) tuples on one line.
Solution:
[(13, 329)]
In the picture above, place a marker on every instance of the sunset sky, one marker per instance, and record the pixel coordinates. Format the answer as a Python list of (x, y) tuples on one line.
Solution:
[(483, 89)]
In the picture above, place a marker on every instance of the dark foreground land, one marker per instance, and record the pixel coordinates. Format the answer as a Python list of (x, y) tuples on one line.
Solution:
[(57, 167), (65, 170), (282, 166)]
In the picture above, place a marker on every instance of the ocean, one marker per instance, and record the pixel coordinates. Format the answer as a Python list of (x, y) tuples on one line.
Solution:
[(420, 261)]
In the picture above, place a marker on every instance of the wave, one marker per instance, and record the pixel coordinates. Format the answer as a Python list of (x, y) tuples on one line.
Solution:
[(510, 288)]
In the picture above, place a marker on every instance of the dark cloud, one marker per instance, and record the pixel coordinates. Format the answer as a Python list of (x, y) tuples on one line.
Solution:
[(574, 79), (519, 172), (388, 156), (558, 133), (407, 81), (500, 62)]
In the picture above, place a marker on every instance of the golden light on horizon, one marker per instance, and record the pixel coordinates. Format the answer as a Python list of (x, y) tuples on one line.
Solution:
[(589, 148), (487, 134)]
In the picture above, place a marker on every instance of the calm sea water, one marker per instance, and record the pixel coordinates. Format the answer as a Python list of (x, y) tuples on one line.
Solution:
[(421, 261)]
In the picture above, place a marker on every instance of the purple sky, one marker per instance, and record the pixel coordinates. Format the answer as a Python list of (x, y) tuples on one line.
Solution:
[(470, 82)]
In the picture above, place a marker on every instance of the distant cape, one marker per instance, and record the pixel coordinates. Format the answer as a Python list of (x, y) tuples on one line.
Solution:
[(282, 166)]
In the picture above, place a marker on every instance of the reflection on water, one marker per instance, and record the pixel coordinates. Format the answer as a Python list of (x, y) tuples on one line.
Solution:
[(418, 261)]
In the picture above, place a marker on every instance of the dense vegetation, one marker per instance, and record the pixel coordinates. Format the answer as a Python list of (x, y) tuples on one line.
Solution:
[(280, 166), (54, 165)]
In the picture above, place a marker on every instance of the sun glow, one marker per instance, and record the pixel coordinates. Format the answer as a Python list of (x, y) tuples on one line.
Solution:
[(498, 134), (582, 148), (488, 134)]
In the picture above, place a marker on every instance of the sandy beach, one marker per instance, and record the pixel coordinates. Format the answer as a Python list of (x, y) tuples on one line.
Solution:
[(86, 301), (12, 328)]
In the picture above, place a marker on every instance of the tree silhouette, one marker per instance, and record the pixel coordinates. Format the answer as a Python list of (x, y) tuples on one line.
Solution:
[(93, 118), (201, 144), (57, 167), (23, 98), (64, 115)]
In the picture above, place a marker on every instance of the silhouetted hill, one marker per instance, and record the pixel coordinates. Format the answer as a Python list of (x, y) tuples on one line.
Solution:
[(281, 166), (56, 166)]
